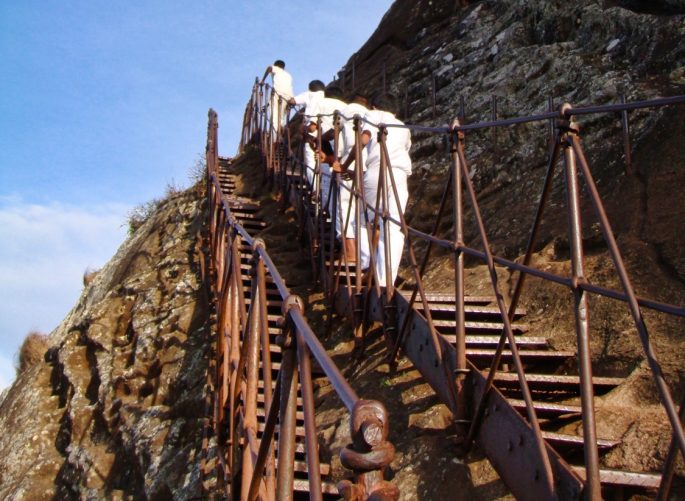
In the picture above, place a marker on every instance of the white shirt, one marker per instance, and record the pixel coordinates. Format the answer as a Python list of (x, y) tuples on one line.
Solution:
[(398, 142), (347, 136), (309, 100), (283, 82), (326, 107)]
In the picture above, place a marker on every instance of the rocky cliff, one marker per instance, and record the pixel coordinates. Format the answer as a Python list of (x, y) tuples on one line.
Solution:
[(522, 54), (115, 409)]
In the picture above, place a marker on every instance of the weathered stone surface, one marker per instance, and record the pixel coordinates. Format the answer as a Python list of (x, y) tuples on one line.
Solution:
[(117, 406), (525, 52)]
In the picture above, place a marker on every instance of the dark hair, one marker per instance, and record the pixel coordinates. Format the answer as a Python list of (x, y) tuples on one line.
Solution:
[(316, 85), (360, 98), (334, 92), (279, 63), (382, 101)]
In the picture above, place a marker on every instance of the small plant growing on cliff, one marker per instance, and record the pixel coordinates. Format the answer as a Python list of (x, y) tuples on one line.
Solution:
[(139, 214), (32, 351), (172, 189), (197, 171)]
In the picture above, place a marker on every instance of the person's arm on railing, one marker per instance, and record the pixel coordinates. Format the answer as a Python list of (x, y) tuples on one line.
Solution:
[(342, 167), (267, 72)]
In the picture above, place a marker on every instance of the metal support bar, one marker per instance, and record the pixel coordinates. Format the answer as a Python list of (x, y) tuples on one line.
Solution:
[(581, 310)]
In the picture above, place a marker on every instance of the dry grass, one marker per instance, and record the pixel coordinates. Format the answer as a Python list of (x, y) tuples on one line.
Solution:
[(32, 351)]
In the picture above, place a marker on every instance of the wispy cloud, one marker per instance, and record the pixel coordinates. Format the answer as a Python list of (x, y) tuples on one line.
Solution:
[(44, 252)]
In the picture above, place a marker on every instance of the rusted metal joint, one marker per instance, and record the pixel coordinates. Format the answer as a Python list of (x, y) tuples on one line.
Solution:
[(368, 455), (565, 121), (456, 135), (577, 282), (286, 339), (382, 132), (292, 301), (258, 244), (357, 120)]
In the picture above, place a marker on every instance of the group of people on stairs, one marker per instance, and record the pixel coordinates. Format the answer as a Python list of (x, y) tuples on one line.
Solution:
[(319, 104)]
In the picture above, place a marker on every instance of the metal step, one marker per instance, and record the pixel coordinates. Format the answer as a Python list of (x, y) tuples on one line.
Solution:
[(522, 342), (443, 325), (553, 382), (619, 478), (444, 297), (565, 441), (528, 356), (546, 409), (440, 310)]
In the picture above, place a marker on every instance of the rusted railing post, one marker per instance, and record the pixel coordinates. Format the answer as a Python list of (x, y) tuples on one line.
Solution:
[(382, 207), (249, 414), (668, 470), (461, 371), (238, 315), (306, 385), (388, 302), (262, 117), (592, 481), (361, 219), (287, 418), (259, 299)]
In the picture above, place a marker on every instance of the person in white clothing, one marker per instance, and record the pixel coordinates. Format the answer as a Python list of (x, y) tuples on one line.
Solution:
[(324, 110), (398, 142), (346, 152), (282, 92), (309, 99)]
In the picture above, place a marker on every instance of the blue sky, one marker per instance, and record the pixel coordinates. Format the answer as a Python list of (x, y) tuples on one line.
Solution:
[(103, 104)]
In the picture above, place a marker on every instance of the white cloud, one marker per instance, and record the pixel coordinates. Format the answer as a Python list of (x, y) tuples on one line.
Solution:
[(44, 250)]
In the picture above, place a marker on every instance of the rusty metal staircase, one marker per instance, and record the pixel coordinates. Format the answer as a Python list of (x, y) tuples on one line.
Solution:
[(548, 371), (512, 394)]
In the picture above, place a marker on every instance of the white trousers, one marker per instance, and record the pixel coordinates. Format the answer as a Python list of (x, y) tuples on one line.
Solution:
[(396, 237), (279, 116), (346, 203), (309, 164)]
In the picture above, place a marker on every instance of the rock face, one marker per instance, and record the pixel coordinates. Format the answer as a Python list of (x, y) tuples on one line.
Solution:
[(524, 53), (116, 408)]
